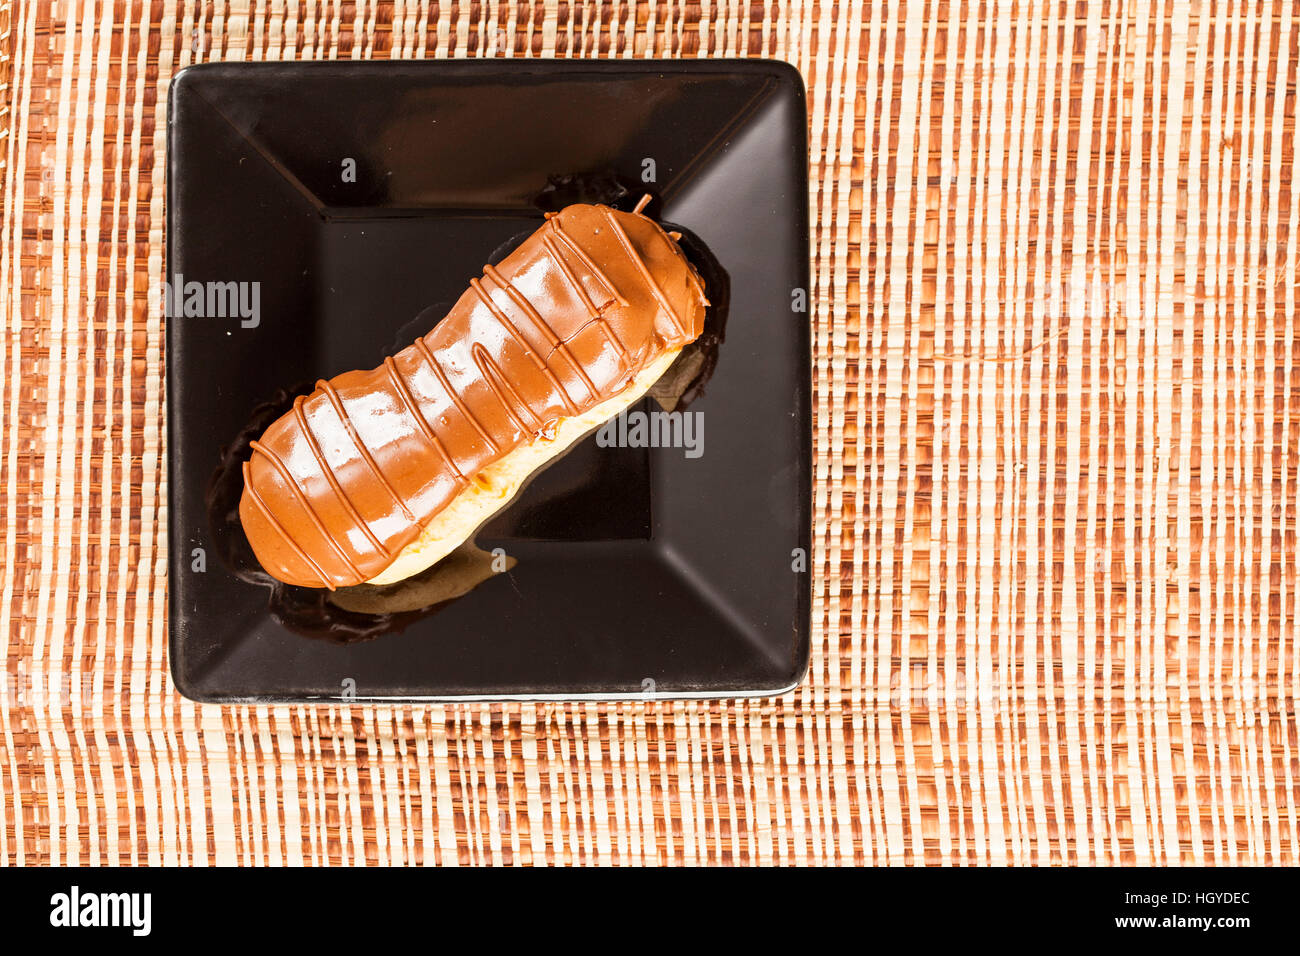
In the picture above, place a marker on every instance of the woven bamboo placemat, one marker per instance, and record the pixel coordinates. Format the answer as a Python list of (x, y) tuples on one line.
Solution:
[(1056, 462)]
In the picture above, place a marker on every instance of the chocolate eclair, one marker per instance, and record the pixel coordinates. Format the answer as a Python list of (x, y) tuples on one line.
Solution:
[(378, 474)]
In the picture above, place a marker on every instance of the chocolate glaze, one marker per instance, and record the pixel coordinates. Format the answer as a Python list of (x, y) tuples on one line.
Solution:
[(347, 615), (336, 488), (685, 381)]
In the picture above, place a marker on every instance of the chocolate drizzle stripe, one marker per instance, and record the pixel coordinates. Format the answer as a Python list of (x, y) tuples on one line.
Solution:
[(540, 323), (594, 312), (332, 394), (614, 340), (585, 259), (554, 250), (333, 479), (591, 267), (451, 394), (501, 317), (280, 529), (408, 399), (279, 465), (644, 270), (491, 373)]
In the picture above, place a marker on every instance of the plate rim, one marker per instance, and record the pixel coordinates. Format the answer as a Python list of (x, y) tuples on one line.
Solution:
[(778, 69)]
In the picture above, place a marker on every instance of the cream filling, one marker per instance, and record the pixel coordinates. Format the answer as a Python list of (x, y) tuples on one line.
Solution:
[(492, 488)]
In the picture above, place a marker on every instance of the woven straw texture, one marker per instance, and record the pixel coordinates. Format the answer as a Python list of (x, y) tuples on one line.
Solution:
[(1057, 418)]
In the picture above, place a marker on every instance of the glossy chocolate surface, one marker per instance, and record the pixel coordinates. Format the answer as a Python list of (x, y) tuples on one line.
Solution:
[(338, 486)]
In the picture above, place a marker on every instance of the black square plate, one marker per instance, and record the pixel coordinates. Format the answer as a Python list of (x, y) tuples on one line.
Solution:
[(352, 203)]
